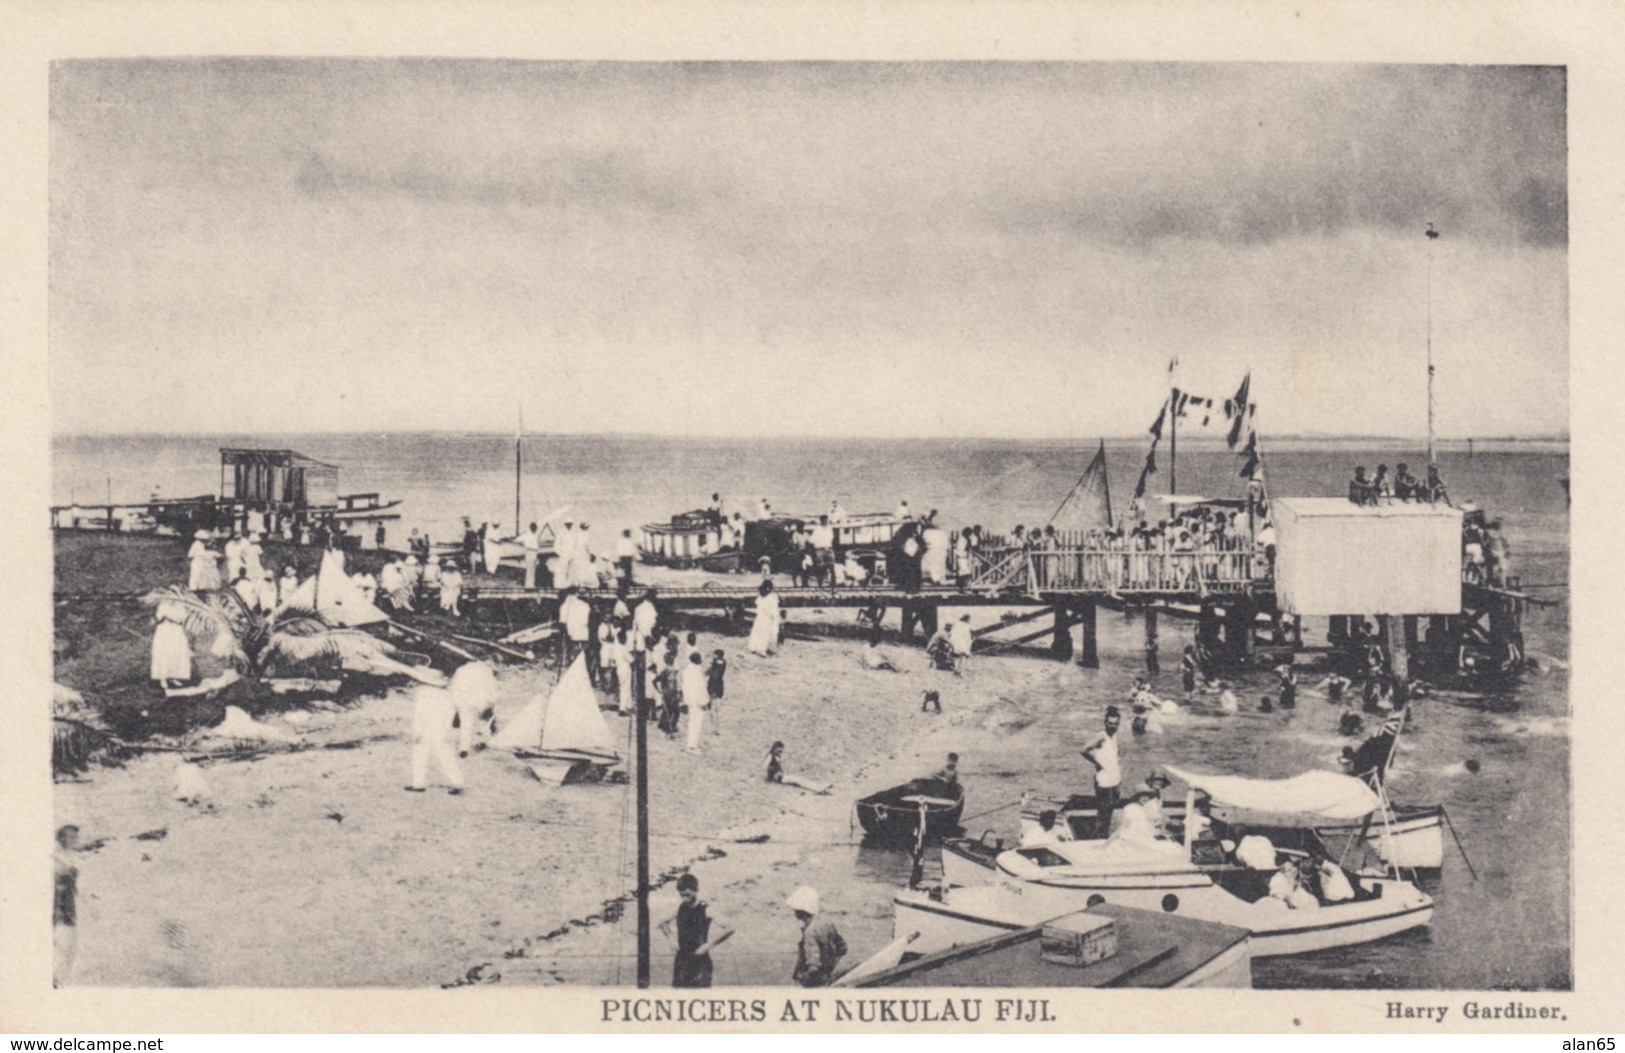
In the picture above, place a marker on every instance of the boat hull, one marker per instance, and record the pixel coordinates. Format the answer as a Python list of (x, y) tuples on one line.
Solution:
[(887, 818), (965, 914)]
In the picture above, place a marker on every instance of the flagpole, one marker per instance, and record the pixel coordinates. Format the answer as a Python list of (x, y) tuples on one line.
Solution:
[(1432, 236), (1173, 431)]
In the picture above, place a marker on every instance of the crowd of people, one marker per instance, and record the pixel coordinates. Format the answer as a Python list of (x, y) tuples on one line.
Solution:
[(1381, 489)]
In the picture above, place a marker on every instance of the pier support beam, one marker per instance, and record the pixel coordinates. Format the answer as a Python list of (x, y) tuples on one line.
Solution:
[(1238, 631), (1207, 628), (1060, 647), (1394, 644), (1089, 658), (1151, 666)]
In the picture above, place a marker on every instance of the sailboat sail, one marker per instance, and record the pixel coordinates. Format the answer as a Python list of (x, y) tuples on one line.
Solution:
[(566, 719), (1089, 505)]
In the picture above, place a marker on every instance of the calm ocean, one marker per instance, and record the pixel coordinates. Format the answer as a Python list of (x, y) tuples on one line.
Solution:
[(1511, 928)]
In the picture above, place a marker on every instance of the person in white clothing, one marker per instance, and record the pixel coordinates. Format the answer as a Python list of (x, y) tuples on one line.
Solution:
[(451, 588), (694, 693), (576, 617), (171, 650), (473, 690), (644, 620), (493, 547), (961, 640), (764, 632), (433, 710), (247, 591), (265, 591), (287, 585), (622, 656), (204, 564), (1103, 755), (234, 556), (532, 542), (253, 556), (586, 568)]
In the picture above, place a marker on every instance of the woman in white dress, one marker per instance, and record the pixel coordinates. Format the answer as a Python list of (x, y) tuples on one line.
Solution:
[(171, 652), (764, 633), (451, 588), (205, 564), (493, 547)]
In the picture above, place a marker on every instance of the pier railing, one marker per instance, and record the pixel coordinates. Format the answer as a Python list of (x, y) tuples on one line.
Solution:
[(1074, 564)]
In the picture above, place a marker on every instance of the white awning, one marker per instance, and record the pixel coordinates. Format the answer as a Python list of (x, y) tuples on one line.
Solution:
[(1324, 794)]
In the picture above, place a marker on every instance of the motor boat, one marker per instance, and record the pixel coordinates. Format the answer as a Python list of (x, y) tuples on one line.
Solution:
[(988, 889)]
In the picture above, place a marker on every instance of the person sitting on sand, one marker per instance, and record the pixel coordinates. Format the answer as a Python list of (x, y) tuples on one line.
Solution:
[(876, 659), (779, 777)]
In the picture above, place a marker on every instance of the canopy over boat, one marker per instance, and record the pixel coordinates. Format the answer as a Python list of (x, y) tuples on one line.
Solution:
[(1322, 794)]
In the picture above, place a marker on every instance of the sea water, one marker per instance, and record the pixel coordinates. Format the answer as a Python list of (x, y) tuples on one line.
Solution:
[(1510, 927)]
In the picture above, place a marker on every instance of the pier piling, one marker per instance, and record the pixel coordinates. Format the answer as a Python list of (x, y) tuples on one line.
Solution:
[(1090, 656)]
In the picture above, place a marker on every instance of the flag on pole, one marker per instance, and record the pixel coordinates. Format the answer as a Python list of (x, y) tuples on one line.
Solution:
[(1237, 409), (1156, 428)]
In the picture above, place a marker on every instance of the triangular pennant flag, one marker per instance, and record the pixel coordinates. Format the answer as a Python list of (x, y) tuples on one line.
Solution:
[(1156, 428), (1236, 410)]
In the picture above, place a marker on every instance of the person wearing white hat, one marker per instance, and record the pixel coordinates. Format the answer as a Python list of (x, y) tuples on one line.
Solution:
[(205, 565), (821, 948)]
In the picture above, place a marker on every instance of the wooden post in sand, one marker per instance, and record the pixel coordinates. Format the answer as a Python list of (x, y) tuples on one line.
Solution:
[(1089, 658), (642, 739)]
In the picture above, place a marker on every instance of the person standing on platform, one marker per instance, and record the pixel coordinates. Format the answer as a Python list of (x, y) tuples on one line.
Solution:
[(698, 931), (532, 542), (493, 547), (471, 547), (626, 554), (1103, 754)]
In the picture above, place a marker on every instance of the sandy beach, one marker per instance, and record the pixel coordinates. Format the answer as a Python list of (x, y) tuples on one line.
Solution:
[(315, 868)]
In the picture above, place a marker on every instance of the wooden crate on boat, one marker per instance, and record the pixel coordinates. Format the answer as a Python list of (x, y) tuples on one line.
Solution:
[(1078, 940)]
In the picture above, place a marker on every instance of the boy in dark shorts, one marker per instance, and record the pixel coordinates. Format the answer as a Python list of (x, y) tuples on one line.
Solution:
[(715, 674)]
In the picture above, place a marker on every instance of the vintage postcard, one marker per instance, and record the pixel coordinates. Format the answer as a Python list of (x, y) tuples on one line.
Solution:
[(909, 524)]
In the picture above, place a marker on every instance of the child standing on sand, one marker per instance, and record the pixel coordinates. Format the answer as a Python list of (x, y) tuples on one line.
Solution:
[(714, 676)]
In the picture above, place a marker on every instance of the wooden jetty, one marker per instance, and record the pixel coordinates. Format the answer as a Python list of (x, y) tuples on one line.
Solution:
[(1397, 564)]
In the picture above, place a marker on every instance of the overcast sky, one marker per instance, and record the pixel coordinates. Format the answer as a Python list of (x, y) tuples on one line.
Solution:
[(823, 248)]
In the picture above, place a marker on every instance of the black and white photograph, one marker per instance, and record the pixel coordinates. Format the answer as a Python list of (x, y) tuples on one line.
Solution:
[(530, 523)]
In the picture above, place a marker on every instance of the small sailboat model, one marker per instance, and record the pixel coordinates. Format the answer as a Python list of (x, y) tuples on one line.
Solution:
[(563, 733)]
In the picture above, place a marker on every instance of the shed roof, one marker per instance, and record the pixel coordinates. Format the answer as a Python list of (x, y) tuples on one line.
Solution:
[(272, 458)]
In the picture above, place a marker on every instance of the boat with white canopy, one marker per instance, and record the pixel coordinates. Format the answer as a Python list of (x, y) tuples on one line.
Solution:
[(1219, 869)]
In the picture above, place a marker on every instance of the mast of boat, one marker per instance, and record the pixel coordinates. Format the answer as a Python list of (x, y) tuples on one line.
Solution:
[(1432, 235), (518, 467)]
